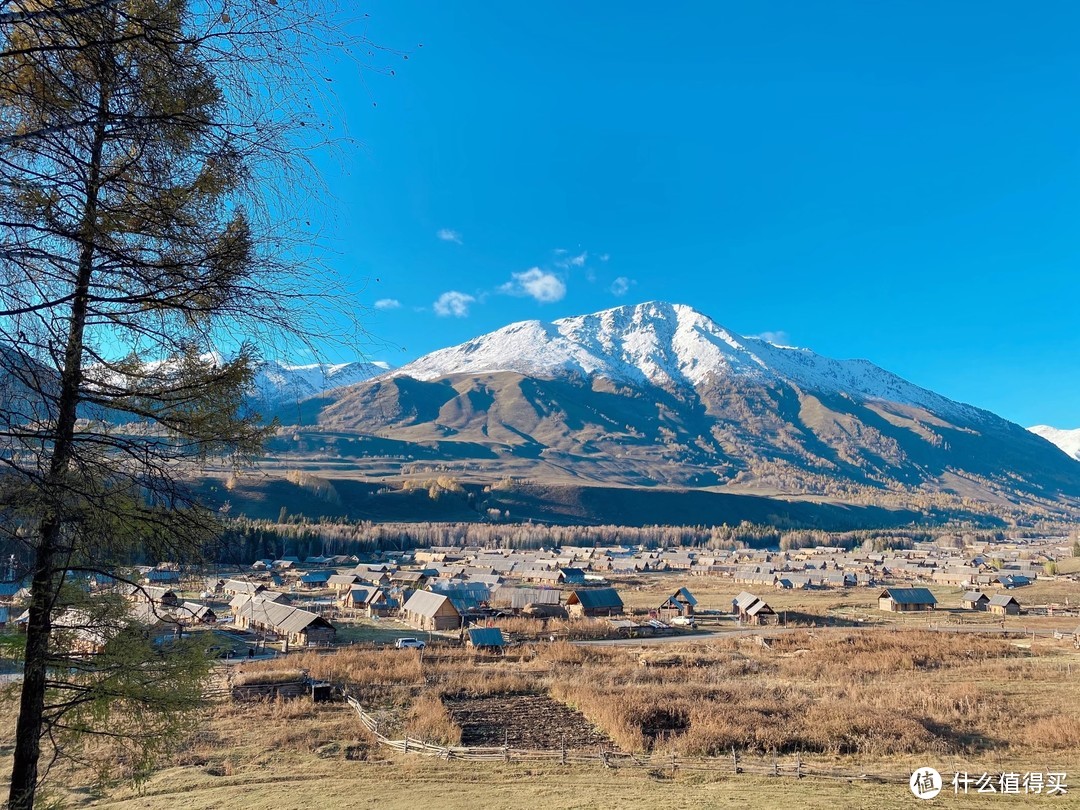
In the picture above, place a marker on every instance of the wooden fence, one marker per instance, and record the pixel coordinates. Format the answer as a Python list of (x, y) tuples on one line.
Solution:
[(792, 766)]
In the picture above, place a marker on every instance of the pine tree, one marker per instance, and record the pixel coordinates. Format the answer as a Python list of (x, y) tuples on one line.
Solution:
[(136, 137)]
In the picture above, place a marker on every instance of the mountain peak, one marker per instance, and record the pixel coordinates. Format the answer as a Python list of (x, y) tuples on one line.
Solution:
[(1067, 440), (666, 345)]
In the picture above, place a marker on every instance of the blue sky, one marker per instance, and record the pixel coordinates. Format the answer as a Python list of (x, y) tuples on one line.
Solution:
[(898, 182)]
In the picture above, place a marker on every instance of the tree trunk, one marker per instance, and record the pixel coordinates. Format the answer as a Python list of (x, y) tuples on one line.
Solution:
[(24, 769), (48, 556)]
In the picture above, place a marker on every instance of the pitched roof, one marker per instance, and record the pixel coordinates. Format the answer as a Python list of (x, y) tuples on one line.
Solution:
[(520, 597), (285, 619), (745, 600), (683, 595), (909, 596), (759, 607), (342, 579), (596, 599), (973, 596), (426, 603), (193, 610), (1003, 599), (364, 594)]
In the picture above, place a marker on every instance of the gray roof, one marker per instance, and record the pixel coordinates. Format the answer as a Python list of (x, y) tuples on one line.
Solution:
[(284, 619), (1003, 599), (518, 598), (193, 610), (426, 603), (972, 596), (759, 607), (342, 579), (364, 594), (745, 600), (242, 586)]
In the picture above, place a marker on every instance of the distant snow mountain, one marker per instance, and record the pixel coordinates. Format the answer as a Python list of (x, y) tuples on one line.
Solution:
[(1067, 440), (666, 345), (277, 384), (660, 394)]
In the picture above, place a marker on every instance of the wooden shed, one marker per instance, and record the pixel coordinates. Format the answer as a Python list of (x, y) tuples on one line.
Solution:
[(1004, 604), (594, 602), (195, 613), (906, 600), (298, 627), (485, 638), (974, 600), (752, 609), (680, 603), (429, 611)]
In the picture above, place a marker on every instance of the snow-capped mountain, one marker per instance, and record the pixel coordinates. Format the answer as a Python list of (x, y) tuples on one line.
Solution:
[(276, 384), (666, 345), (660, 394), (1067, 440), (280, 383)]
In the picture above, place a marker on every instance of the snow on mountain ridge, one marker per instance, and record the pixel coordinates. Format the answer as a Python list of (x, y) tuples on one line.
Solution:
[(276, 381), (1067, 440), (667, 345)]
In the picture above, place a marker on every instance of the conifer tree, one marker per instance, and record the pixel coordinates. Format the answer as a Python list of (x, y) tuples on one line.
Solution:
[(138, 141)]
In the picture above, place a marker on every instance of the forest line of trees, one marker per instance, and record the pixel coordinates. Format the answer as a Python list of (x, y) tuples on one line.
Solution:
[(247, 540)]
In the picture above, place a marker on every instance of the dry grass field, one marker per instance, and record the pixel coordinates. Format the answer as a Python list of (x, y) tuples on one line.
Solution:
[(863, 693), (876, 702), (859, 604)]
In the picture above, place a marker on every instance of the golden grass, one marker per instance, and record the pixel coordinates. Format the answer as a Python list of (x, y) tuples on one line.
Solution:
[(865, 700), (266, 676)]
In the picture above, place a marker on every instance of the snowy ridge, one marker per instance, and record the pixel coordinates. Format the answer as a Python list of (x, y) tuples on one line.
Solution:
[(281, 382), (667, 345), (275, 383), (1067, 440)]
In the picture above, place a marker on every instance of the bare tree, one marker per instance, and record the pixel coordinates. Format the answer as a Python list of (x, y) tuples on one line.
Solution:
[(141, 142)]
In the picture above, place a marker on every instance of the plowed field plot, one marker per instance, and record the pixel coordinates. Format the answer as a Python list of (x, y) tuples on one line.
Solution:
[(523, 721)]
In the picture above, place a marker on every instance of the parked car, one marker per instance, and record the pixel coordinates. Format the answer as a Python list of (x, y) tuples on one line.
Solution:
[(684, 621), (409, 644)]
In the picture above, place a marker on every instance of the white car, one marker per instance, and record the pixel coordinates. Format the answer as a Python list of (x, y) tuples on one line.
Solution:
[(684, 621), (409, 644)]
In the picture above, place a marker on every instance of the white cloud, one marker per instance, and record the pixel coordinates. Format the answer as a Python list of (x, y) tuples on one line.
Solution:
[(449, 235), (387, 303), (453, 303), (621, 286), (604, 257), (566, 261), (537, 284), (778, 338)]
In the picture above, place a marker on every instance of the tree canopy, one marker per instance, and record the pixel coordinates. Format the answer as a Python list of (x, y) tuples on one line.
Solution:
[(141, 143)]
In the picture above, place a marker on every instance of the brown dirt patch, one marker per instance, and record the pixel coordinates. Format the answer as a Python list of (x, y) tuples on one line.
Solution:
[(523, 721)]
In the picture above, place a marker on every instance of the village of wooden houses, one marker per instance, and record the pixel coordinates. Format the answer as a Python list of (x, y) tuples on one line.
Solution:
[(470, 596)]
